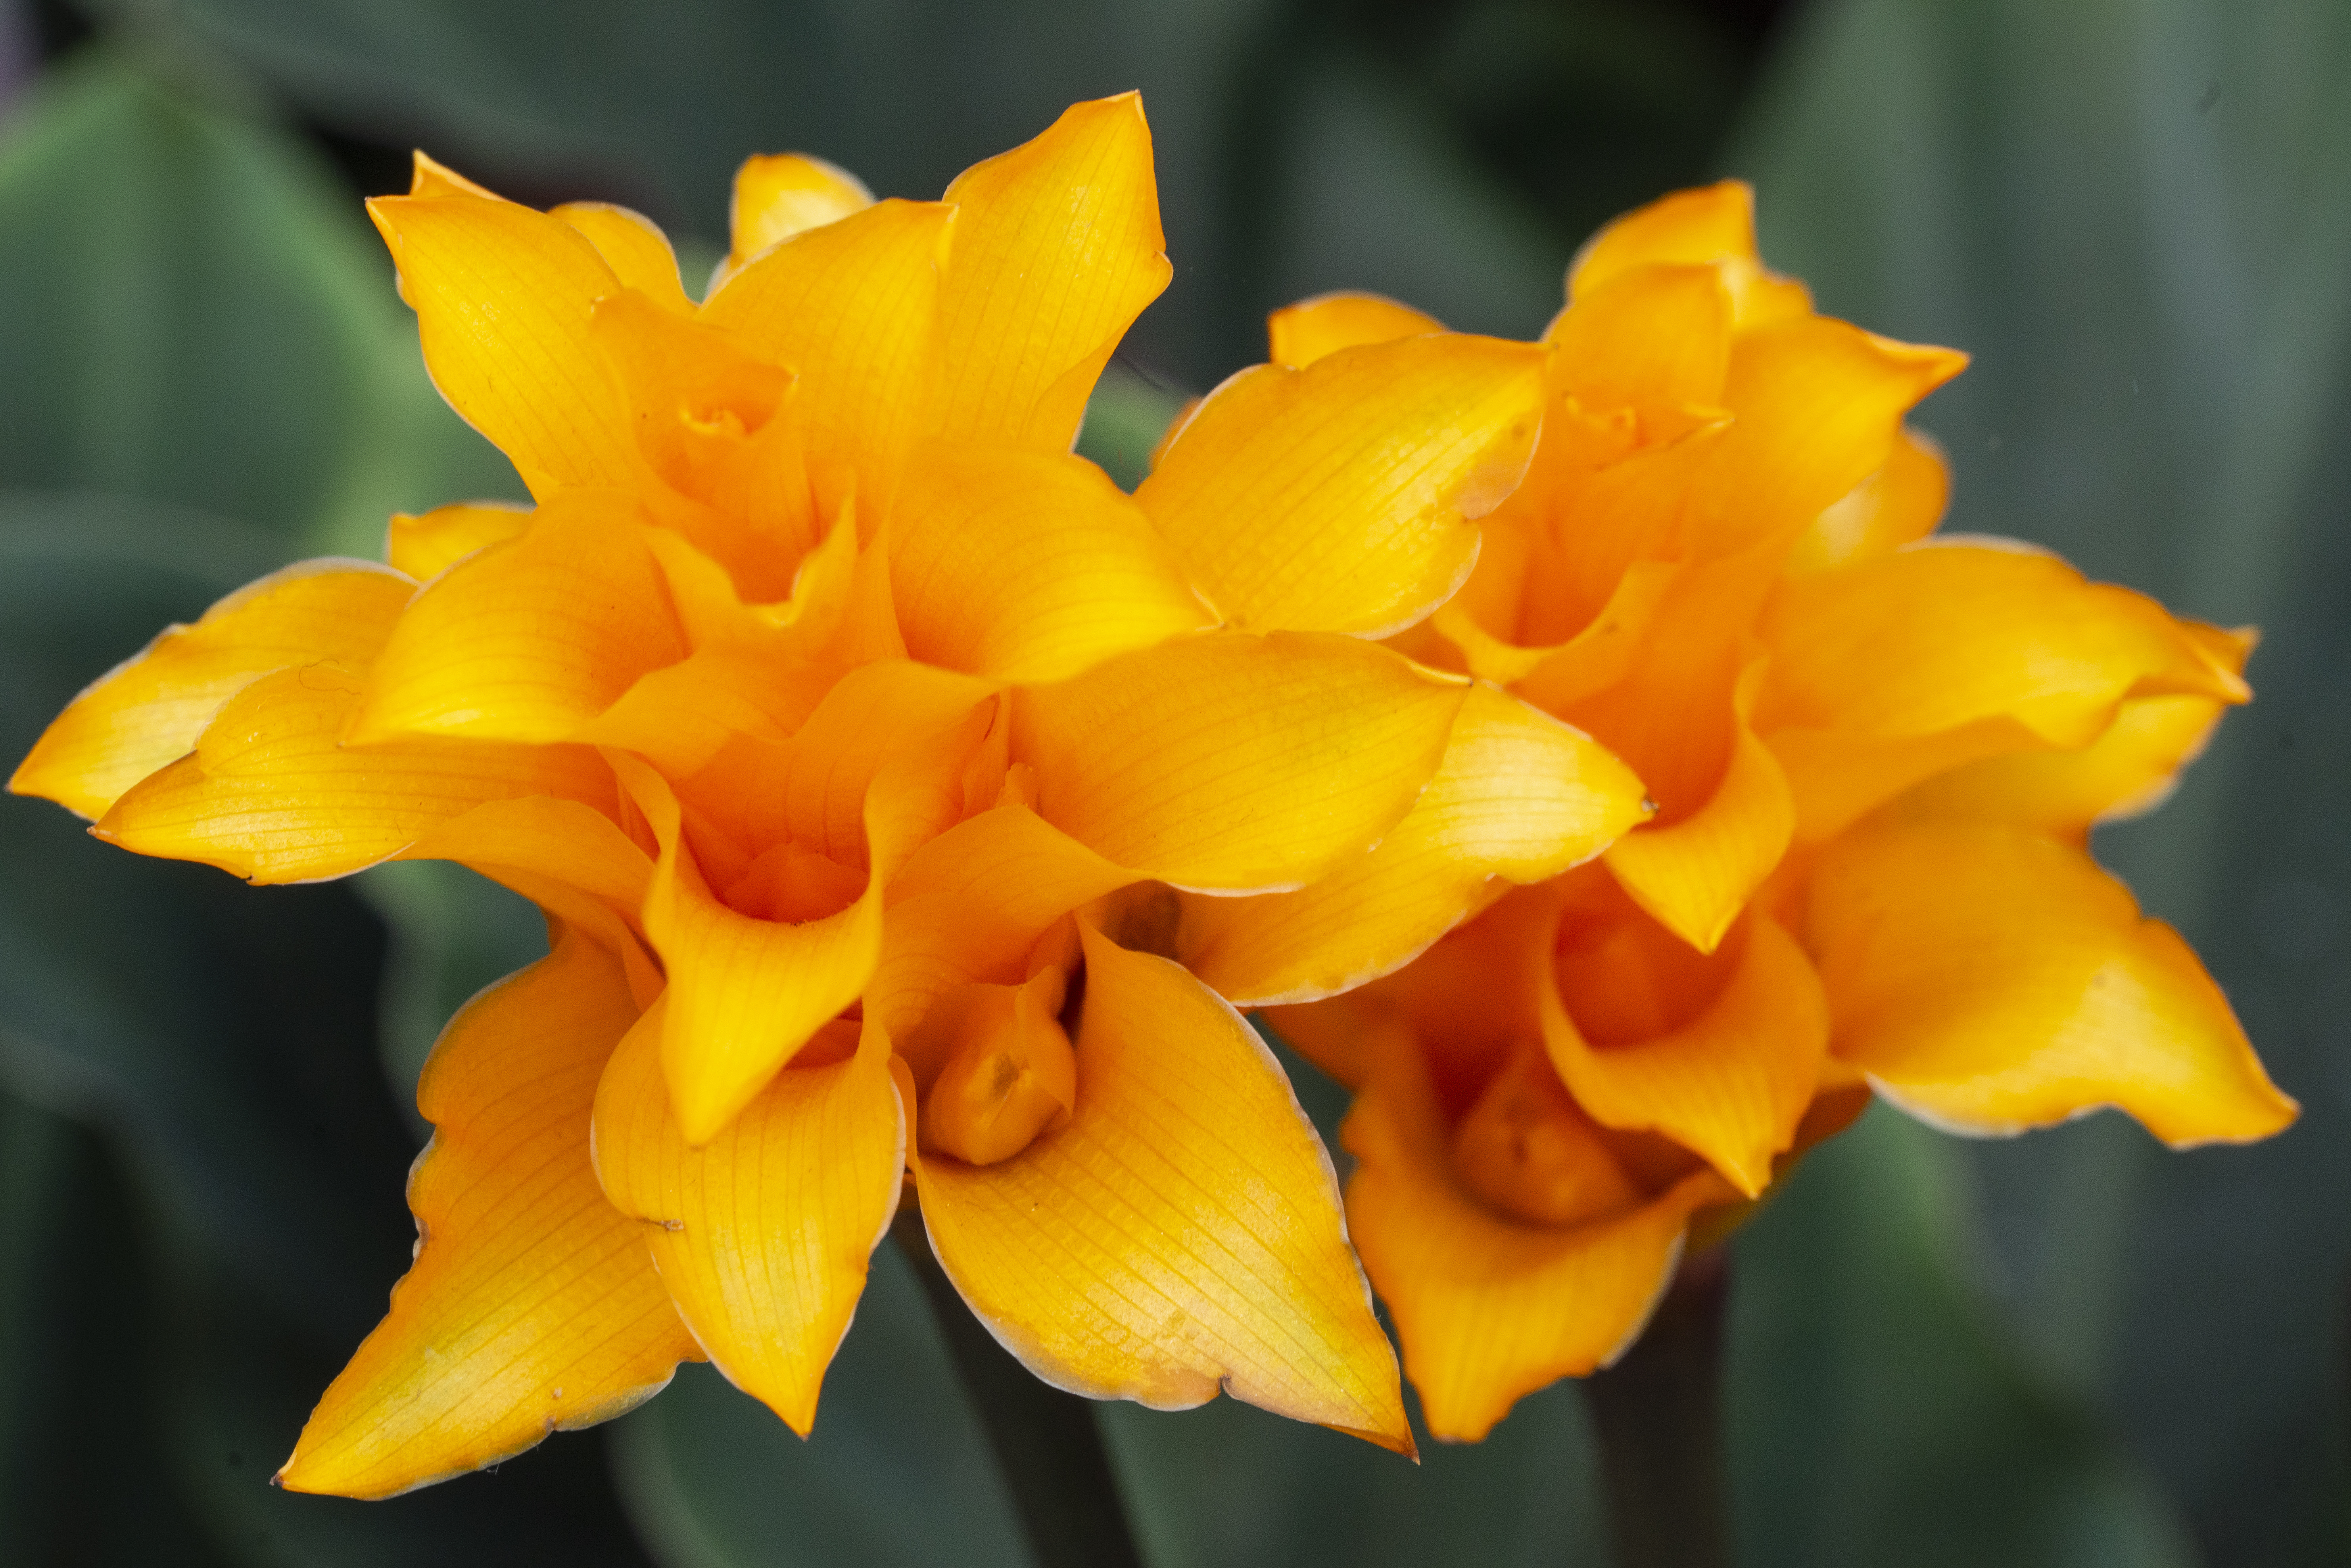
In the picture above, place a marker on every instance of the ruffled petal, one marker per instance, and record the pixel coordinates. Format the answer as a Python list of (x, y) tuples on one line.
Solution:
[(148, 710), (1731, 1084), (1298, 335), (532, 1307), (1519, 796), (427, 543), (1714, 225), (1233, 762), (633, 246), (1988, 981), (1028, 566), (272, 795), (528, 641), (503, 297), (1490, 1308), (763, 1234), (1339, 497), (1180, 1234), (1904, 500), (1057, 249)]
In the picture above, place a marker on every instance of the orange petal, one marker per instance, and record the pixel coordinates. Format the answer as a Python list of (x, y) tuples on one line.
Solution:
[(763, 1234), (1715, 225), (849, 308), (271, 794), (1235, 762), (426, 544), (531, 1307), (1519, 796), (1180, 1234), (1695, 875), (777, 195), (1902, 501), (1302, 333), (1988, 981), (633, 246), (1938, 637), (527, 642), (503, 297), (148, 710), (1028, 566), (1654, 341), (1337, 499), (1817, 405), (1057, 249), (1489, 1308), (1732, 1083), (429, 177)]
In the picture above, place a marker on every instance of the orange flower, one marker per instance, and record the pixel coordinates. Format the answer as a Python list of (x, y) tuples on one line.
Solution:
[(1875, 757), (853, 732)]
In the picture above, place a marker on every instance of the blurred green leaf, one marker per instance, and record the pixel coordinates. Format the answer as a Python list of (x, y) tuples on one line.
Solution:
[(896, 1474), (1124, 420), (197, 316), (2134, 217), (1878, 1415)]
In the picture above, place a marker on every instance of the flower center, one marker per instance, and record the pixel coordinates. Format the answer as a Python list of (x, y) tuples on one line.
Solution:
[(1527, 1150), (1010, 1075)]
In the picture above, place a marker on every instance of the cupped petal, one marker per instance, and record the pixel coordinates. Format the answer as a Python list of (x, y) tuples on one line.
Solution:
[(1713, 224), (1988, 980), (1937, 636), (1492, 1308), (763, 1234), (1340, 497), (527, 642), (148, 710), (1652, 343), (851, 309), (425, 544), (272, 795), (1028, 566), (1057, 250), (1695, 874), (1298, 335), (633, 246), (1731, 1084), (532, 1306), (1235, 762), (1904, 500), (1180, 1234), (1519, 797), (503, 297), (779, 195)]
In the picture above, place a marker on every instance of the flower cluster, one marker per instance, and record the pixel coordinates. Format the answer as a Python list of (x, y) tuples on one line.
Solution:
[(912, 808), (1876, 757)]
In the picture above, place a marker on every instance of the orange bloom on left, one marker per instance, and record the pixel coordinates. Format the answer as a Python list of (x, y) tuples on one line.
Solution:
[(857, 739)]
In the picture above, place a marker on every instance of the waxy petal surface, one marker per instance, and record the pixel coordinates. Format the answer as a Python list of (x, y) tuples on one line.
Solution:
[(272, 795), (528, 641), (1988, 981), (1339, 497), (633, 246), (532, 1306), (1696, 875), (763, 1234), (1180, 1234), (148, 710), (425, 544), (503, 298), (777, 195), (1232, 762), (1518, 796), (1028, 566), (1057, 250), (1298, 335)]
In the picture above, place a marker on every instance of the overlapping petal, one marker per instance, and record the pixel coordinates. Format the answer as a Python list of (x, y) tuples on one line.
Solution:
[(425, 544), (761, 1234), (1989, 980), (1186, 1188), (1232, 762), (1340, 497), (148, 710), (1300, 334), (532, 1306)]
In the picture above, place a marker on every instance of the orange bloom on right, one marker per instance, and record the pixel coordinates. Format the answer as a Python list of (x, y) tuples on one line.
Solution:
[(1876, 757)]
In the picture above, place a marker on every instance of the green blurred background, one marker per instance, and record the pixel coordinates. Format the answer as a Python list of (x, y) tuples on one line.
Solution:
[(2072, 1348)]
